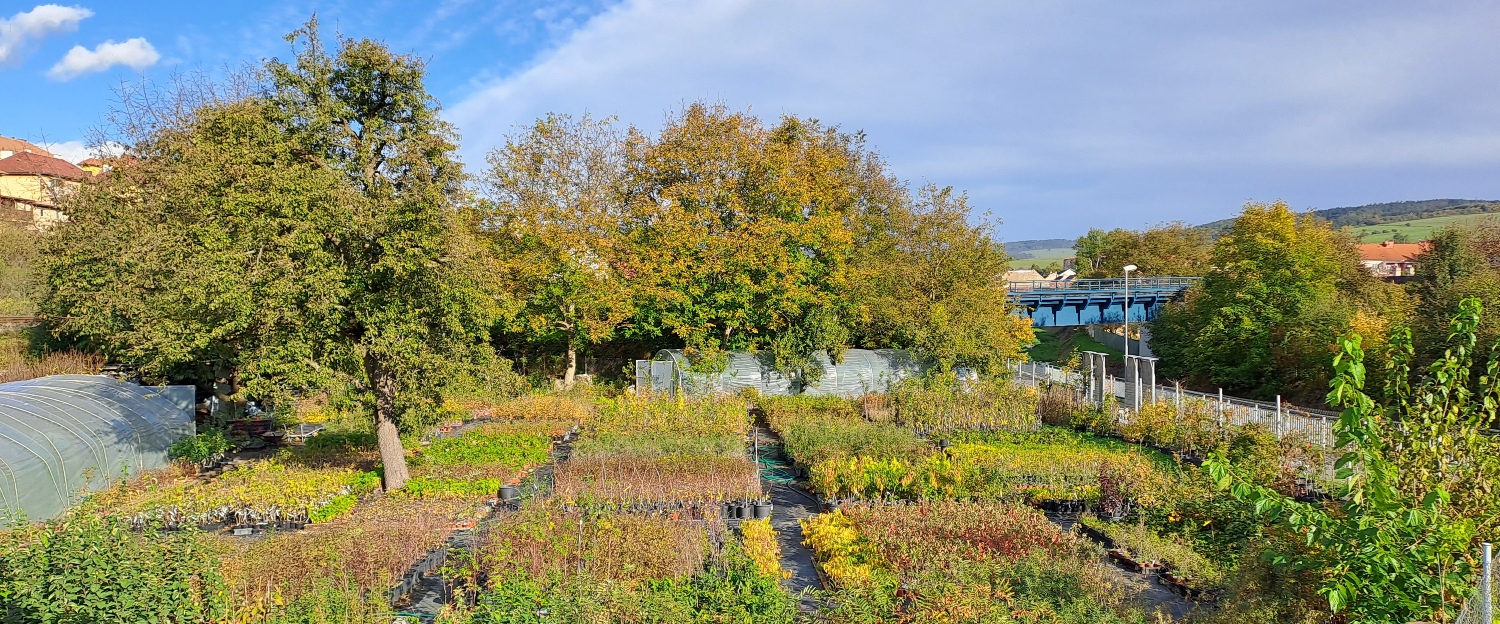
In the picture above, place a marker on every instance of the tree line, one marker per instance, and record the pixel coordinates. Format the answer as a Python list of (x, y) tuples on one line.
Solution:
[(309, 225)]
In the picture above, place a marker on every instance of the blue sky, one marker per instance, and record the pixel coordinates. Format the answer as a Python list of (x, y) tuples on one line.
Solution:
[(1054, 116)]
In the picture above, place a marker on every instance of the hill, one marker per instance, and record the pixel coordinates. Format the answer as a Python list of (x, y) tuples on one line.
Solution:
[(1392, 212), (1025, 248)]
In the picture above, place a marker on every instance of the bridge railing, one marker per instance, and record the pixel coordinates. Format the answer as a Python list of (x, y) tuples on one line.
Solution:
[(1144, 285)]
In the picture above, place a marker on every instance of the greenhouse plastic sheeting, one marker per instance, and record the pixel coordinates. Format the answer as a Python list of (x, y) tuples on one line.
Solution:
[(858, 372), (66, 434), (862, 372)]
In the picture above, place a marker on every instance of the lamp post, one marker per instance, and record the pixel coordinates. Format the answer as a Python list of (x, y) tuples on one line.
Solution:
[(1128, 269)]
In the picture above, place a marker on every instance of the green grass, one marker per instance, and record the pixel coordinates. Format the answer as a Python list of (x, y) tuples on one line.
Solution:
[(1042, 258), (1416, 230), (1058, 345)]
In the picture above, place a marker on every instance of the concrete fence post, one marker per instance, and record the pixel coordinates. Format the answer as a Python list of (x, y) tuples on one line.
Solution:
[(1278, 416), (1487, 586), (1221, 409)]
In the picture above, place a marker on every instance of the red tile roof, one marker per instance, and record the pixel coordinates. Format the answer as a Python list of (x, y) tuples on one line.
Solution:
[(28, 163), (1389, 251), (18, 146)]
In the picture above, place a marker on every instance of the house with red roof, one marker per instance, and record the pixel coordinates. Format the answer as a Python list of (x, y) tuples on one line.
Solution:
[(32, 181), (1390, 258)]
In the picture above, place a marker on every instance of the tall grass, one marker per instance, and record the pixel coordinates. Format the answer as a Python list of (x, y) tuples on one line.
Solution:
[(19, 366)]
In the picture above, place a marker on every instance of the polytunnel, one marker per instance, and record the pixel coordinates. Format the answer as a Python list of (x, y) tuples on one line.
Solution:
[(67, 434), (858, 372)]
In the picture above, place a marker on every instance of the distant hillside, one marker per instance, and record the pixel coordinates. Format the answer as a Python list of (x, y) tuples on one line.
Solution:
[(1021, 249), (1392, 212)]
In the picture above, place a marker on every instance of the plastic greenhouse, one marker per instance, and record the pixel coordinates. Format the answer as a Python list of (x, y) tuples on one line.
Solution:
[(858, 372), (65, 434)]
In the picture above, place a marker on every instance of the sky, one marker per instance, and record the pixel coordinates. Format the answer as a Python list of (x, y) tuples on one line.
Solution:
[(1054, 116)]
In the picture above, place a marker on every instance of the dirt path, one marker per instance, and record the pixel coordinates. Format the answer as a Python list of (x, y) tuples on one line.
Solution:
[(1148, 592)]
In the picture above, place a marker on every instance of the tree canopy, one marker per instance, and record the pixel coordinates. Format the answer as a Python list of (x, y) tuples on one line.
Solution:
[(1167, 250), (1284, 287), (724, 233), (308, 236)]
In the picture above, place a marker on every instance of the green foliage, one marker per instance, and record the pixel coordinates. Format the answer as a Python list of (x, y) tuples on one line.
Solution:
[(1383, 554), (18, 255), (813, 443), (1285, 287), (262, 487), (941, 403), (1048, 465), (341, 441), (89, 569), (929, 281), (558, 225), (1390, 212), (516, 451), (745, 231), (1168, 250), (420, 486), (200, 447), (1146, 546), (333, 509), (729, 591)]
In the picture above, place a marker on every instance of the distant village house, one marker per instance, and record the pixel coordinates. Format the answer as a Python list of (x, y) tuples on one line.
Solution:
[(32, 181), (1390, 258)]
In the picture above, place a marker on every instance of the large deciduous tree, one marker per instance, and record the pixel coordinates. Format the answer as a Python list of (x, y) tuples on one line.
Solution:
[(927, 280), (741, 231), (558, 221), (1285, 286), (407, 303), (309, 234)]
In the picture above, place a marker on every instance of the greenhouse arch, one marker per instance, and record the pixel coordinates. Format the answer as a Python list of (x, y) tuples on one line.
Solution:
[(67, 434)]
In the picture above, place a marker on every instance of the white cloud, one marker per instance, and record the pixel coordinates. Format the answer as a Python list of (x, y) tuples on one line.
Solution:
[(71, 151), (135, 53), (1047, 111), (18, 33)]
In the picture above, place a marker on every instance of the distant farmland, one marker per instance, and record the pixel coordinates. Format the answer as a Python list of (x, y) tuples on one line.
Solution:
[(1416, 229), (1040, 257)]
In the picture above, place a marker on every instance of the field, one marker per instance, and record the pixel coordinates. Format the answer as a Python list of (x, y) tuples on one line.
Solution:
[(1418, 229), (1041, 257)]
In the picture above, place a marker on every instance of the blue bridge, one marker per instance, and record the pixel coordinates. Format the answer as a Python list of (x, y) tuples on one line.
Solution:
[(1094, 301)]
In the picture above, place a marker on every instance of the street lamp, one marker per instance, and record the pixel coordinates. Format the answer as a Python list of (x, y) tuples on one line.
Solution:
[(1128, 269)]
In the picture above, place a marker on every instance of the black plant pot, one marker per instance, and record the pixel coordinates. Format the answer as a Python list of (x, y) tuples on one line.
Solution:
[(762, 511), (509, 493)]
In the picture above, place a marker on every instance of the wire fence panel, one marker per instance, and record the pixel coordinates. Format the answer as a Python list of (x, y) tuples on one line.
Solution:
[(1480, 607), (1284, 419)]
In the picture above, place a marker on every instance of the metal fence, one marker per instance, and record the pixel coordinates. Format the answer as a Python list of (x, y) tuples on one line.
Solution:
[(1480, 607), (1282, 418)]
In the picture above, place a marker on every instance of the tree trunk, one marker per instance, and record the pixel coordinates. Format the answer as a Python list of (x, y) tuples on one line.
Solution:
[(392, 456), (572, 371)]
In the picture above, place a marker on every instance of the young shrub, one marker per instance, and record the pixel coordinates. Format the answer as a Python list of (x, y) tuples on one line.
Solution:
[(200, 448), (90, 569), (760, 544)]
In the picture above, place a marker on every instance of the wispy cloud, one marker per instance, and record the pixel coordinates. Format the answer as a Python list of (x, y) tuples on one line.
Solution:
[(22, 30), (134, 53)]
